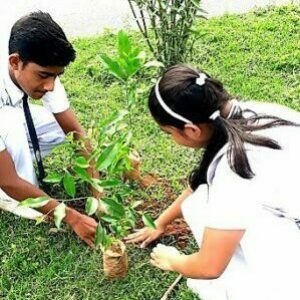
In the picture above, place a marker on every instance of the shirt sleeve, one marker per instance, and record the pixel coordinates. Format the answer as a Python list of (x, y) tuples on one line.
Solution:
[(2, 144), (233, 200), (57, 100)]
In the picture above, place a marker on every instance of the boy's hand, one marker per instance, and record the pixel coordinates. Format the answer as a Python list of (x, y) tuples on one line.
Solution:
[(145, 236), (83, 226)]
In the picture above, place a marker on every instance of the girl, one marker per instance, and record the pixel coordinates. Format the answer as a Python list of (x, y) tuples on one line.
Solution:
[(242, 204)]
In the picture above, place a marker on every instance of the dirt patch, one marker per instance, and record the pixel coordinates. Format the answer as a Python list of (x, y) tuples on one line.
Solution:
[(179, 229), (151, 185)]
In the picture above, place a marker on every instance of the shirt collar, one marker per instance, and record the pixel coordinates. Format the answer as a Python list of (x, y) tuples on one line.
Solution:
[(14, 93)]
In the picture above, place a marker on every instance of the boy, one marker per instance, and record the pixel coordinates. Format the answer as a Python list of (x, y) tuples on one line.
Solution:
[(38, 53)]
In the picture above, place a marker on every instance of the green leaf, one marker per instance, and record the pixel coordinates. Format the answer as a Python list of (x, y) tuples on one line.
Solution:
[(82, 162), (114, 208), (110, 183), (82, 173), (113, 67), (148, 221), (124, 45), (107, 157), (136, 204), (59, 214), (69, 184), (91, 205), (95, 182), (132, 216), (53, 178), (109, 219), (39, 220), (100, 236), (35, 202)]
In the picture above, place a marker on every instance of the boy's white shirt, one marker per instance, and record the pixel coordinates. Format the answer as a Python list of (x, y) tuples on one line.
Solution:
[(10, 95), (49, 132), (265, 265)]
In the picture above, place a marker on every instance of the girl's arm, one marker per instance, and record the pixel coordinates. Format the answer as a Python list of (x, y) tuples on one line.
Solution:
[(147, 235), (174, 210), (217, 248)]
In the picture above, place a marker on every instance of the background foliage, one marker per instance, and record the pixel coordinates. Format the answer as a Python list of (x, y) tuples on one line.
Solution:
[(256, 56)]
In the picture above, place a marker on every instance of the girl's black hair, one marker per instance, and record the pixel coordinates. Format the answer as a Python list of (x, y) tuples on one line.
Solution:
[(196, 103), (37, 38)]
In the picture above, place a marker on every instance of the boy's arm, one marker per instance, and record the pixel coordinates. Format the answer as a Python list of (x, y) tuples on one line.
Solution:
[(69, 123), (19, 189)]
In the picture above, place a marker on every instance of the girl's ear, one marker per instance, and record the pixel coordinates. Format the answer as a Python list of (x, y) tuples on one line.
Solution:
[(14, 60), (192, 131)]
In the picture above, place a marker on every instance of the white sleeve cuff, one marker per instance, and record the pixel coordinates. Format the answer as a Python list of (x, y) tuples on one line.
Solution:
[(57, 100), (2, 144)]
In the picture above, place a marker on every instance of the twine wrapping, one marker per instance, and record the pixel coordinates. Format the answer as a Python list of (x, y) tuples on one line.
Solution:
[(115, 261)]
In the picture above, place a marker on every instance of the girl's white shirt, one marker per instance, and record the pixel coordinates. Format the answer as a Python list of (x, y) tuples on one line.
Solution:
[(266, 263)]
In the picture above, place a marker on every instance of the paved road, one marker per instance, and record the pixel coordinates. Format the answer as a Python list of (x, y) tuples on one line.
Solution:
[(90, 17)]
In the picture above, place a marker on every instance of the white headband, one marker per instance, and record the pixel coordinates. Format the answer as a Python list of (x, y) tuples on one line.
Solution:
[(214, 115), (166, 108), (200, 81)]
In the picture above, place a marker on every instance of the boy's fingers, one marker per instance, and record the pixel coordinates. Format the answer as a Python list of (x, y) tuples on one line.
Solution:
[(90, 243)]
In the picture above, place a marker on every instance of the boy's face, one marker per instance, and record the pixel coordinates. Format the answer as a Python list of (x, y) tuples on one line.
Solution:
[(32, 78)]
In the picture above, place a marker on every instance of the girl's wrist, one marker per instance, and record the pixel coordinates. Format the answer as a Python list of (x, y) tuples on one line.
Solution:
[(177, 262), (159, 224)]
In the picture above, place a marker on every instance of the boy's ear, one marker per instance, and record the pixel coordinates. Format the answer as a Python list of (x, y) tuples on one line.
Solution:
[(192, 131), (14, 60)]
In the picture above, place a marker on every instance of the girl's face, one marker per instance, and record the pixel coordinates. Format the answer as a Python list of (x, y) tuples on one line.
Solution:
[(192, 136)]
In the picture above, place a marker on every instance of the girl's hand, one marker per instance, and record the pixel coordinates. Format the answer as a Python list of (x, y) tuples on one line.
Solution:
[(163, 257), (145, 236)]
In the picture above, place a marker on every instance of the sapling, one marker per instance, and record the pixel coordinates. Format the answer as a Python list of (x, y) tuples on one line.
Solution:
[(111, 156)]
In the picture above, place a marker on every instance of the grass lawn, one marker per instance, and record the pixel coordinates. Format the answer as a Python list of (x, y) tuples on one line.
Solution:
[(256, 55)]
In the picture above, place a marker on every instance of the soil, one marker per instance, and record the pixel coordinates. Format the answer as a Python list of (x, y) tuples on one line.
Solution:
[(151, 183), (179, 229), (116, 248)]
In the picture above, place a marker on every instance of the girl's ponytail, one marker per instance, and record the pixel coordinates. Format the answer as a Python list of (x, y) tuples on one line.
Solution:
[(237, 131)]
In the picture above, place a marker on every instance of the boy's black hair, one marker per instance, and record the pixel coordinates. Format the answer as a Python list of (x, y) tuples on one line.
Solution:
[(37, 38)]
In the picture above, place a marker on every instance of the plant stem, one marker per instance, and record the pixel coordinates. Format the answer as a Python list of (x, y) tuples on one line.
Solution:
[(171, 287)]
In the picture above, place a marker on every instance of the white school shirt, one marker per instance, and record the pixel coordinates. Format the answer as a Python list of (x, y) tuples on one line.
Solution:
[(55, 101), (265, 266)]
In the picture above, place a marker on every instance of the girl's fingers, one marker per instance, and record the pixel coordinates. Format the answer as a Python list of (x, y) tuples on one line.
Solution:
[(146, 242), (154, 263), (136, 240), (132, 236), (153, 255)]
